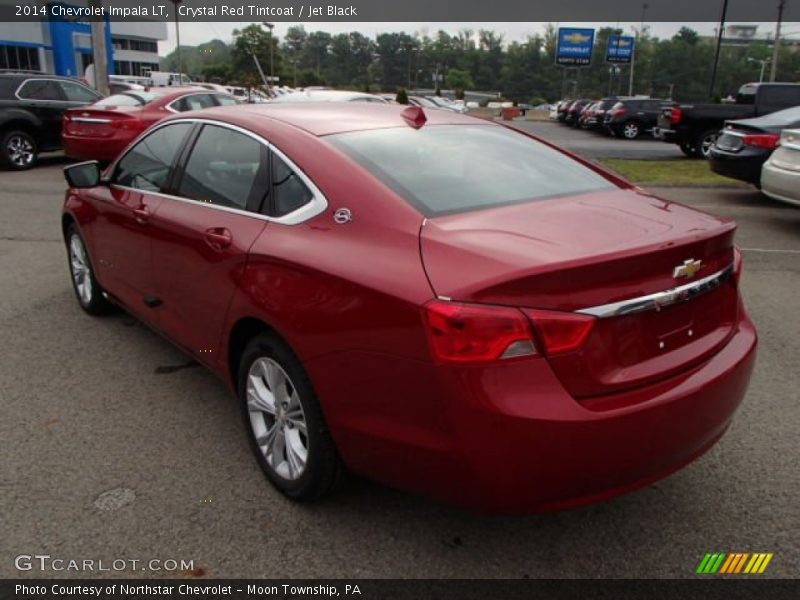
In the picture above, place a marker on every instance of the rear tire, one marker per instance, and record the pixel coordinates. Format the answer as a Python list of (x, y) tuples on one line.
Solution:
[(284, 420), (703, 143), (18, 150), (631, 130)]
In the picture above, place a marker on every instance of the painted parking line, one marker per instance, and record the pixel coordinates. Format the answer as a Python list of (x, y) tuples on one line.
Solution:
[(771, 250)]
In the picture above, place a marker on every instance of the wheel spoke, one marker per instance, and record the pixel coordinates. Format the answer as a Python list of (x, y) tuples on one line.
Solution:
[(259, 398), (265, 439)]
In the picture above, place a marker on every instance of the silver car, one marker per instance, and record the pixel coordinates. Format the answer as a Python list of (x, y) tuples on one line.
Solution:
[(780, 175)]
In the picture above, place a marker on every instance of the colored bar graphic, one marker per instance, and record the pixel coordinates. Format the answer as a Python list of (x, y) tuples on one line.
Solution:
[(734, 563)]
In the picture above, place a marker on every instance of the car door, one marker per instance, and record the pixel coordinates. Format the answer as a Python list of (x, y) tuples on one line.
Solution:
[(203, 233), (122, 233), (46, 99)]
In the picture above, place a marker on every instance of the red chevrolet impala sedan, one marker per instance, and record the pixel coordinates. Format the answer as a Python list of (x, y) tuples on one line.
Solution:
[(102, 130), (433, 301)]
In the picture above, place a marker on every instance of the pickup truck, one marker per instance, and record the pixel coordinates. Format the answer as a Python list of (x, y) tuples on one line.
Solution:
[(694, 127)]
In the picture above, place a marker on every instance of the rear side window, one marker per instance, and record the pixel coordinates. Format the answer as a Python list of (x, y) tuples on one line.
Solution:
[(41, 89), (76, 92), (288, 191), (226, 168), (445, 169), (148, 164)]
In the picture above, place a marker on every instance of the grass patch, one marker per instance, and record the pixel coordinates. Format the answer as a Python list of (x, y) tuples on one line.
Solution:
[(682, 171)]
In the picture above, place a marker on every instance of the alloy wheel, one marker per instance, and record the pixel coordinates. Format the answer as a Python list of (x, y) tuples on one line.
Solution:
[(81, 271), (20, 151), (631, 131), (277, 418)]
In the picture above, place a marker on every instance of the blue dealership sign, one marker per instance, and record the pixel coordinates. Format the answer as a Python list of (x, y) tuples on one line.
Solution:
[(574, 46), (620, 49)]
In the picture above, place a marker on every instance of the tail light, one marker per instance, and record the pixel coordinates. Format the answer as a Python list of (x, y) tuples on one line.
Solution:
[(560, 332), (127, 124), (675, 115), (762, 140), (474, 333)]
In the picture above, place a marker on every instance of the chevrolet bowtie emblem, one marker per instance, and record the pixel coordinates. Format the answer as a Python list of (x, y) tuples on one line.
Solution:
[(687, 269)]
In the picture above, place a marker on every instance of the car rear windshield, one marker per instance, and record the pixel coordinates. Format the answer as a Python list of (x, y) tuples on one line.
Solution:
[(444, 169), (127, 99)]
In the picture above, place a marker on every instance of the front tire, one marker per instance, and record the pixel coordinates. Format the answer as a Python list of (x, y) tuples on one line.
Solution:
[(18, 150), (688, 149), (285, 424), (87, 290)]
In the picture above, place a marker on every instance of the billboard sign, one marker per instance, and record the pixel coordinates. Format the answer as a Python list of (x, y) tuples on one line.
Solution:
[(574, 46), (620, 49)]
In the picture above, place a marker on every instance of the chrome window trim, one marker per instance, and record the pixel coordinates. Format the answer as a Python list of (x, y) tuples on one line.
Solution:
[(659, 300), (317, 205), (90, 120), (203, 92), (65, 101)]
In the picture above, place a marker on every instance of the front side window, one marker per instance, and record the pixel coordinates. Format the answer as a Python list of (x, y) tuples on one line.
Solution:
[(41, 89), (148, 164), (444, 169), (226, 168), (76, 92), (224, 100)]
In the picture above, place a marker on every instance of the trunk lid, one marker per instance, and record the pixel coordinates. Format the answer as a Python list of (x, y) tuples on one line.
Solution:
[(570, 254), (101, 123)]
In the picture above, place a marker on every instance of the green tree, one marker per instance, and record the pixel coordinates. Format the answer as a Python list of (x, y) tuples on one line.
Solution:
[(402, 96), (459, 80)]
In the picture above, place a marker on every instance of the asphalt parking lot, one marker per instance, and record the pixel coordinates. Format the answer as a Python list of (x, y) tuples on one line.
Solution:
[(92, 406)]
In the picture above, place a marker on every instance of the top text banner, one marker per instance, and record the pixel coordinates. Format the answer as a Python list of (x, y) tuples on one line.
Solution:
[(429, 11)]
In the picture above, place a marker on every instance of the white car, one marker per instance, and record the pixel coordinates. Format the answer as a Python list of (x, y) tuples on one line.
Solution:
[(780, 175)]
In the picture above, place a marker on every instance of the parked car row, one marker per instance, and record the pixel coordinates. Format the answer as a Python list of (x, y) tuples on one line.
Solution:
[(625, 117)]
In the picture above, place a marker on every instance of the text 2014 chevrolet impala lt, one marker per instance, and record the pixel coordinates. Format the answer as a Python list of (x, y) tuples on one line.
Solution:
[(431, 300)]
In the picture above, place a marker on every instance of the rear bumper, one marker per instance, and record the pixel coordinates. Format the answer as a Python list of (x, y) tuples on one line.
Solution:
[(510, 439), (780, 184), (666, 135), (87, 148), (744, 165)]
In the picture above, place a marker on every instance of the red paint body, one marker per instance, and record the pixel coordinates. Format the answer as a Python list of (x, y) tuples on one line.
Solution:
[(114, 127), (521, 434)]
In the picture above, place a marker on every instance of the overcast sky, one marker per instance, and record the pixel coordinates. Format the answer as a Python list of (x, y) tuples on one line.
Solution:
[(193, 34)]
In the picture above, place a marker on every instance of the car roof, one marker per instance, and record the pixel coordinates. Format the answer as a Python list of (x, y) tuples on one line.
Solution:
[(327, 118)]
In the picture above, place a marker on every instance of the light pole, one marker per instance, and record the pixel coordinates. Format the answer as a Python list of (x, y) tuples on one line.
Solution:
[(720, 33), (774, 72), (270, 27), (763, 64), (645, 6)]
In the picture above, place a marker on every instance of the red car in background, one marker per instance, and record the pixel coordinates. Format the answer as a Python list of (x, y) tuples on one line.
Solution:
[(102, 130), (521, 332)]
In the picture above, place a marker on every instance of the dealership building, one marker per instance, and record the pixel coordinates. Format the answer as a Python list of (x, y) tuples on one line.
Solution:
[(64, 47)]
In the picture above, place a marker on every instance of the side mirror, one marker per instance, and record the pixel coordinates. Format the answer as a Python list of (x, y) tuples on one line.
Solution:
[(83, 175)]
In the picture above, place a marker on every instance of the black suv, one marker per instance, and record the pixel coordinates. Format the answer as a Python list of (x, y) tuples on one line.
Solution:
[(31, 105), (630, 118)]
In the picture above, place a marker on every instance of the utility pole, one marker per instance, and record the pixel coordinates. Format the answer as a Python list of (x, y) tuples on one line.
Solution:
[(720, 33), (774, 72), (270, 27), (178, 43), (99, 51)]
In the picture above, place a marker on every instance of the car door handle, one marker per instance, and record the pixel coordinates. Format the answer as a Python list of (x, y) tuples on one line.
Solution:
[(218, 238), (141, 214)]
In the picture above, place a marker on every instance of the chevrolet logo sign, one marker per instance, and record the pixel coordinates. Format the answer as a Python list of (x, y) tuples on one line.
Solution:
[(576, 38), (688, 269)]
